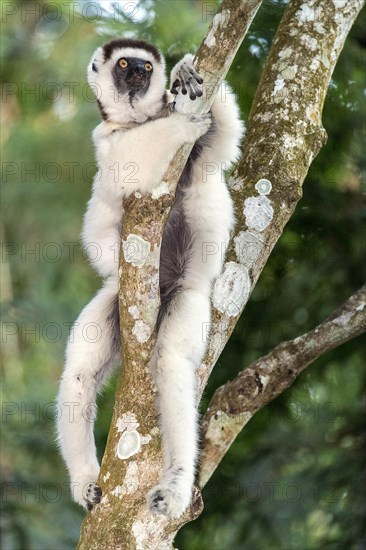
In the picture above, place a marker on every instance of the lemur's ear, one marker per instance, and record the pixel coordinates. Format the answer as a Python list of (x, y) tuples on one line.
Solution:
[(96, 60)]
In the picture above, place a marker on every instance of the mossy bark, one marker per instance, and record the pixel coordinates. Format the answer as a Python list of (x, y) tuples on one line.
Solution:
[(280, 144), (235, 403)]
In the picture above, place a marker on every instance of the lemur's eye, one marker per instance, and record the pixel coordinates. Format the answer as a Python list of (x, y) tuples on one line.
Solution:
[(123, 63), (148, 67)]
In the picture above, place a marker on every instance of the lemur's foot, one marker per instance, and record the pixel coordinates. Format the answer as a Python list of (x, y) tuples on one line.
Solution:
[(93, 495), (169, 499), (85, 491)]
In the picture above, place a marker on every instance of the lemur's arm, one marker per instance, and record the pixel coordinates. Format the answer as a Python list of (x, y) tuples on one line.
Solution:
[(137, 159), (225, 112)]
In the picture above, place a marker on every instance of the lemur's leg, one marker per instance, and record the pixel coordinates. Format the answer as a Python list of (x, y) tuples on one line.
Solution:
[(92, 352), (101, 233), (179, 349), (182, 336)]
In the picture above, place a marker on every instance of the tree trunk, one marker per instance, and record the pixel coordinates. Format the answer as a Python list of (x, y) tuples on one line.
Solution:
[(284, 135)]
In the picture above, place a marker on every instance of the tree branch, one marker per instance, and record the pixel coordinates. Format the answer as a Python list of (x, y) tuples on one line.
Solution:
[(213, 60), (284, 134), (234, 403)]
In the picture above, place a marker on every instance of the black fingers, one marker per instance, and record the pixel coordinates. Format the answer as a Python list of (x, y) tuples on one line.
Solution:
[(93, 495), (174, 87), (195, 74), (194, 89), (189, 81), (159, 502), (97, 494)]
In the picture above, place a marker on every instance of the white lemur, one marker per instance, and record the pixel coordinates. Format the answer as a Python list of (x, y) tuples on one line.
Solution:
[(141, 129)]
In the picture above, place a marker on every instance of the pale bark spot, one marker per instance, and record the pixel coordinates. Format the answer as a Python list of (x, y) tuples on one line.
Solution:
[(145, 531), (263, 186), (231, 289), (134, 312), (141, 331), (324, 59), (145, 439), (248, 246), (279, 85), (128, 422), (264, 380), (129, 444), (266, 117), (236, 184), (314, 65), (135, 250), (258, 212), (290, 72), (117, 491), (220, 19), (340, 3), (310, 42), (131, 481), (286, 53), (343, 319), (312, 114), (319, 27), (305, 14), (160, 190)]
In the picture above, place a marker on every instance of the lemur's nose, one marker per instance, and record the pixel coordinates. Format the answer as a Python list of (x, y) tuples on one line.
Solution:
[(140, 69)]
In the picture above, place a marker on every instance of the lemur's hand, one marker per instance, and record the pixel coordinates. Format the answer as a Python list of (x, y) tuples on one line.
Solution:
[(190, 127), (185, 78)]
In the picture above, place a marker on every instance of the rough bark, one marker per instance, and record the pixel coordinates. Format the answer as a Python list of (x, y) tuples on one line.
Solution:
[(284, 135), (235, 403), (122, 521)]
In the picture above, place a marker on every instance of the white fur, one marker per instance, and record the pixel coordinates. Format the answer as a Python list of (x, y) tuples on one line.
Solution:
[(117, 106), (130, 160), (88, 351)]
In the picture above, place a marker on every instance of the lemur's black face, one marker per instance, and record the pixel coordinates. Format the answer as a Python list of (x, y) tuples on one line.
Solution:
[(132, 75)]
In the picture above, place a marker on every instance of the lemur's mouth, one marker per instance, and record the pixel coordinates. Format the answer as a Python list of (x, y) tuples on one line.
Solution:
[(137, 80)]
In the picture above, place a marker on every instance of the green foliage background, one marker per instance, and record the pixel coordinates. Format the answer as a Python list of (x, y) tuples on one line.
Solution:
[(293, 479)]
